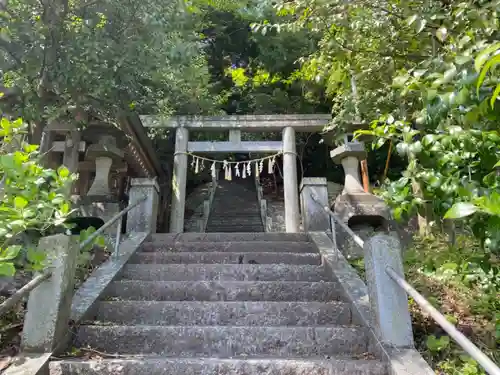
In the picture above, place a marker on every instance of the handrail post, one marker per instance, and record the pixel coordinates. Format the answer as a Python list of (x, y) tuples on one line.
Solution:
[(49, 304), (389, 302), (143, 217), (313, 200)]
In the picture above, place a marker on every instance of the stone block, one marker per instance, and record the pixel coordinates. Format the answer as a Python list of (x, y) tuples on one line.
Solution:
[(49, 305), (143, 217), (365, 214), (362, 207), (388, 301), (355, 149), (314, 216)]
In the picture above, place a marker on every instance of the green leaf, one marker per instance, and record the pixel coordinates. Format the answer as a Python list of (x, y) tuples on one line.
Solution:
[(492, 62), (420, 25), (436, 345), (461, 60), (411, 19), (65, 208), (495, 96), (30, 148), (460, 210), (20, 202), (7, 269), (34, 256), (497, 164), (483, 56), (63, 172), (10, 253)]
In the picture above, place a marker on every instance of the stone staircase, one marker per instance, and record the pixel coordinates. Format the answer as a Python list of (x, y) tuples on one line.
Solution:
[(235, 208), (220, 304)]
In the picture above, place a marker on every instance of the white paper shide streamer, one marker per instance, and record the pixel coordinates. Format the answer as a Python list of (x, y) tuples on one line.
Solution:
[(242, 169)]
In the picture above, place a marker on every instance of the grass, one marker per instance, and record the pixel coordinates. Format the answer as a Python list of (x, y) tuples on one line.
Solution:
[(463, 283)]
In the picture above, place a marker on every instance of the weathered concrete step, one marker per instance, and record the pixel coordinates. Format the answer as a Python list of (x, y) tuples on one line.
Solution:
[(234, 230), (234, 247), (234, 224), (226, 272), (223, 291), (224, 341), (226, 258), (248, 214), (214, 366), (224, 313), (169, 238)]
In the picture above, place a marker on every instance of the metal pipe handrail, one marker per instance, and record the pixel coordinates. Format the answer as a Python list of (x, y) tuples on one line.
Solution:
[(344, 226), (37, 280), (110, 222), (467, 345), (21, 293)]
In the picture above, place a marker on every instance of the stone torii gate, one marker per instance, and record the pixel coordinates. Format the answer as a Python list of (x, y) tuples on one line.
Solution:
[(287, 124)]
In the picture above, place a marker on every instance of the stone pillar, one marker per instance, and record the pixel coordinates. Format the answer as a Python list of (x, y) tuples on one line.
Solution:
[(49, 305), (389, 302), (179, 181), (71, 151), (143, 218), (292, 214), (314, 216), (100, 186), (348, 156)]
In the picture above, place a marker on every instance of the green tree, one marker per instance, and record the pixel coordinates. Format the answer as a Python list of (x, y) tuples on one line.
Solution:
[(62, 58)]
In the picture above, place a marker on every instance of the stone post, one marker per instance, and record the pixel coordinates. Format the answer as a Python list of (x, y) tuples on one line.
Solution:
[(71, 151), (292, 219), (389, 302), (100, 186), (314, 217), (49, 305), (179, 181), (143, 217), (263, 214), (348, 156)]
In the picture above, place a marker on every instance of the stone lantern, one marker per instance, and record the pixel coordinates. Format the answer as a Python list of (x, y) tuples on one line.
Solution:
[(363, 212), (106, 152)]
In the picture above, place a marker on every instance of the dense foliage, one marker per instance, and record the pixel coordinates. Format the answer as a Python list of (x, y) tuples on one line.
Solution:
[(61, 58), (32, 198)]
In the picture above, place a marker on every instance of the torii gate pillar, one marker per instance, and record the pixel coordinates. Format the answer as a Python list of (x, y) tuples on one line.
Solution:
[(179, 178), (292, 213)]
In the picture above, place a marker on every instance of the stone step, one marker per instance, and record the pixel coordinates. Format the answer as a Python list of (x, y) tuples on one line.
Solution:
[(234, 230), (236, 213), (235, 221), (244, 218), (234, 247), (223, 272), (169, 238), (224, 341), (223, 291), (225, 258), (224, 313), (215, 366)]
